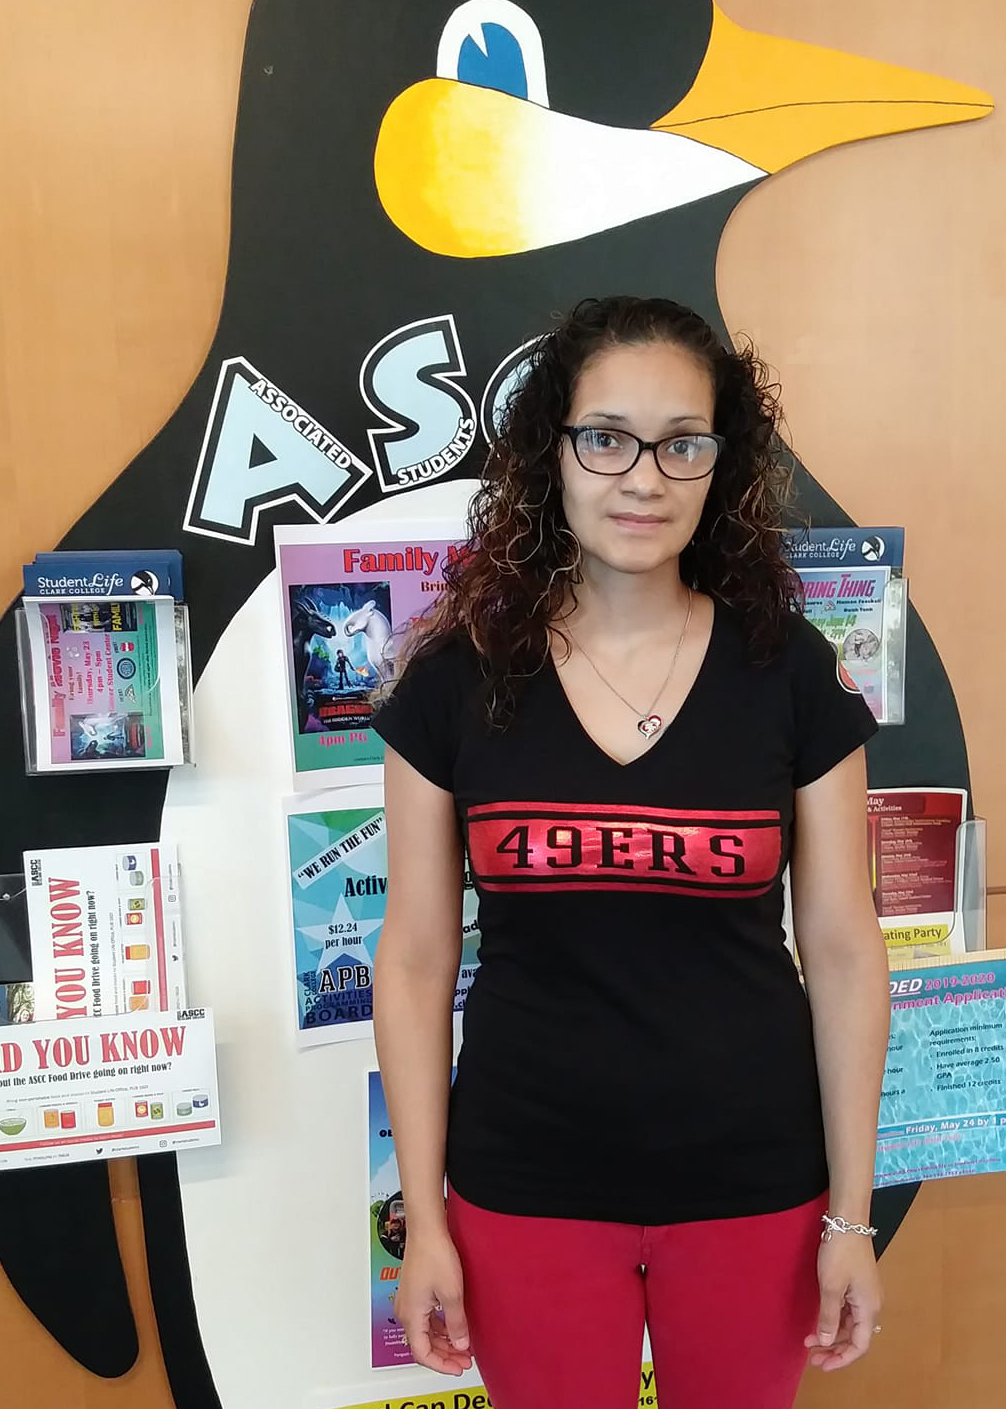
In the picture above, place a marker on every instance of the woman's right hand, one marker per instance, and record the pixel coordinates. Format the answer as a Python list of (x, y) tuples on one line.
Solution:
[(429, 1304)]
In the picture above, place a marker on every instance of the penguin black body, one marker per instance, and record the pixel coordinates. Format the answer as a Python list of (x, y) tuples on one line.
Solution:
[(318, 274)]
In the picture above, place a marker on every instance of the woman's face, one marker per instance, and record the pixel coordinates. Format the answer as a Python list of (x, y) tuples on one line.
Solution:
[(640, 521)]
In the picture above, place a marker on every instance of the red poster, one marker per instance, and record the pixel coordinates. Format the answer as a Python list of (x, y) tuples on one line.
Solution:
[(913, 850)]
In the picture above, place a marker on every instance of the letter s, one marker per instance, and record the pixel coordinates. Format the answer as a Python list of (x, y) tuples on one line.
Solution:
[(408, 379), (716, 845)]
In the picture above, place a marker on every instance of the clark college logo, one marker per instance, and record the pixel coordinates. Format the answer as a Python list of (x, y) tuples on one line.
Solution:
[(525, 846)]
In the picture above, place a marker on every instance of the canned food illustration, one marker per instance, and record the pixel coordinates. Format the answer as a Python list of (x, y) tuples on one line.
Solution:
[(141, 1110), (157, 1110), (183, 1108), (106, 1113)]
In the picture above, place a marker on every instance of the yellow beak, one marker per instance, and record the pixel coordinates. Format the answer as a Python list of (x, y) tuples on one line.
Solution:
[(774, 101), (469, 172)]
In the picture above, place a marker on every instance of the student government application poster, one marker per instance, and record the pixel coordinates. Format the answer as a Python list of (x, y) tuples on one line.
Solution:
[(943, 1106), (348, 598)]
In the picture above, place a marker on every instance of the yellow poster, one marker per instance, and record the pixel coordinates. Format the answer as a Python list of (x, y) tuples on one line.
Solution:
[(475, 1397)]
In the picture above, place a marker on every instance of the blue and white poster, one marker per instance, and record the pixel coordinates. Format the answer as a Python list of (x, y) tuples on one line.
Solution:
[(338, 887), (943, 1108)]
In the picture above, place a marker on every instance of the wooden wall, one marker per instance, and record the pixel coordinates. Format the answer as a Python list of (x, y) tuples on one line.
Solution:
[(873, 279)]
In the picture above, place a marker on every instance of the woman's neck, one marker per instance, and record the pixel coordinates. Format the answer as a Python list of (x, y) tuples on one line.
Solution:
[(629, 605)]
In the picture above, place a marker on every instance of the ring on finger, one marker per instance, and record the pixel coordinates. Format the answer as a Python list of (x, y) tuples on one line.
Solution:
[(877, 1330)]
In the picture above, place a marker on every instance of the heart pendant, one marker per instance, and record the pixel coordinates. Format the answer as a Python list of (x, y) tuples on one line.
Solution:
[(649, 726)]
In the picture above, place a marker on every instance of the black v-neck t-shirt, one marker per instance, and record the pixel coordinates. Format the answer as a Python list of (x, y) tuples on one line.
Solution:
[(637, 1044)]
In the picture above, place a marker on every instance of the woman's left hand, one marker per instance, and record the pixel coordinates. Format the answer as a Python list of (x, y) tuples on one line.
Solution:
[(850, 1301)]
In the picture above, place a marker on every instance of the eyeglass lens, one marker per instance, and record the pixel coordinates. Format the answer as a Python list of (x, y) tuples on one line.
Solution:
[(610, 452)]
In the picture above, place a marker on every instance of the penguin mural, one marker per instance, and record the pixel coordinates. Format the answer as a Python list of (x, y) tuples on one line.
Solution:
[(416, 187)]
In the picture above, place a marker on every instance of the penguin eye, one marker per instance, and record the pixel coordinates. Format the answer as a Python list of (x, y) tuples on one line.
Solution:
[(494, 44)]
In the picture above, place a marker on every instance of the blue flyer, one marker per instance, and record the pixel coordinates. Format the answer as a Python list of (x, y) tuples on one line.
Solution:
[(143, 572), (854, 593), (338, 882), (943, 1108)]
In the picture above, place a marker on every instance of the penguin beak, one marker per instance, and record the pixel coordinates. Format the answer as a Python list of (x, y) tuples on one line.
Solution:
[(469, 172), (773, 101)]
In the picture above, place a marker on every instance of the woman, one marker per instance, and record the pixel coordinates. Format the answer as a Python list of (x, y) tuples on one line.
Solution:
[(620, 714)]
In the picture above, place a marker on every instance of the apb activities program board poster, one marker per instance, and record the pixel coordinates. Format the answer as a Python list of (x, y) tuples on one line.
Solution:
[(347, 603), (338, 857)]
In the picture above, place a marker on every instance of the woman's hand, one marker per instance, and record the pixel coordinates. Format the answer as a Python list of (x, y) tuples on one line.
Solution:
[(850, 1301), (429, 1304)]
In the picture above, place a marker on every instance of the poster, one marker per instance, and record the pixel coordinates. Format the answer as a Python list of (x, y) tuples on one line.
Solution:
[(915, 866), (474, 1397), (338, 880), (104, 685), (853, 593), (105, 1088), (943, 1108), (347, 603), (387, 1232), (105, 929)]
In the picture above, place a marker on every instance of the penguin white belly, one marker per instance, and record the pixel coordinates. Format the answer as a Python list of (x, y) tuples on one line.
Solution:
[(276, 1217)]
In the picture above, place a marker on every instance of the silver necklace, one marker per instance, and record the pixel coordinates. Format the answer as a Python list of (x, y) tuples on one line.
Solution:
[(649, 723)]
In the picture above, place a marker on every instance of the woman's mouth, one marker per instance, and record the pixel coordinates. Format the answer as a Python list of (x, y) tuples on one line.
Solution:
[(638, 523)]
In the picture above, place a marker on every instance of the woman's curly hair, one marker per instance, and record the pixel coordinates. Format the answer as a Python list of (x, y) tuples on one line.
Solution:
[(508, 586)]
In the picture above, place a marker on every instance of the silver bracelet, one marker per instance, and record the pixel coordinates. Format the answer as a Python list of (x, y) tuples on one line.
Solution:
[(839, 1225)]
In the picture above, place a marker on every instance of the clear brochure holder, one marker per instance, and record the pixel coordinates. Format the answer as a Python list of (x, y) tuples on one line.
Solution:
[(972, 913), (895, 635), (968, 931), (150, 722)]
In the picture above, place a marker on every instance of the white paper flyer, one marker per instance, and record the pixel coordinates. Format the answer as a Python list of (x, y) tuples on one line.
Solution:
[(105, 1088), (106, 932)]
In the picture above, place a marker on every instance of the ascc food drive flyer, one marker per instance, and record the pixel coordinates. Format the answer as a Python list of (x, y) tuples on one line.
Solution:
[(105, 928), (105, 1088)]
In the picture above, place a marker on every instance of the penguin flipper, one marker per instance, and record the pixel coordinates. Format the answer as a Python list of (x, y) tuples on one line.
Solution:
[(171, 1284), (60, 1218)]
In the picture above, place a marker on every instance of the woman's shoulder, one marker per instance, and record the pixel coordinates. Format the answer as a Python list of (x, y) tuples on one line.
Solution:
[(442, 659), (798, 646)]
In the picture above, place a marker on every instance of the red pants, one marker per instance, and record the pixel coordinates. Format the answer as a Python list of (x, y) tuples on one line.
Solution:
[(556, 1307)]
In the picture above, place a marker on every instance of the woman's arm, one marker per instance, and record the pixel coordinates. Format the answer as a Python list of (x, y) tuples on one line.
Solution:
[(415, 976), (845, 966)]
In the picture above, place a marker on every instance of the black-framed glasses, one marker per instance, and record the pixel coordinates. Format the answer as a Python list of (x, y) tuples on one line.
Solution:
[(602, 451)]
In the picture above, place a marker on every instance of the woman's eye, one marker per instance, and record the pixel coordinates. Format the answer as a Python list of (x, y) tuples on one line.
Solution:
[(602, 440), (682, 449)]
